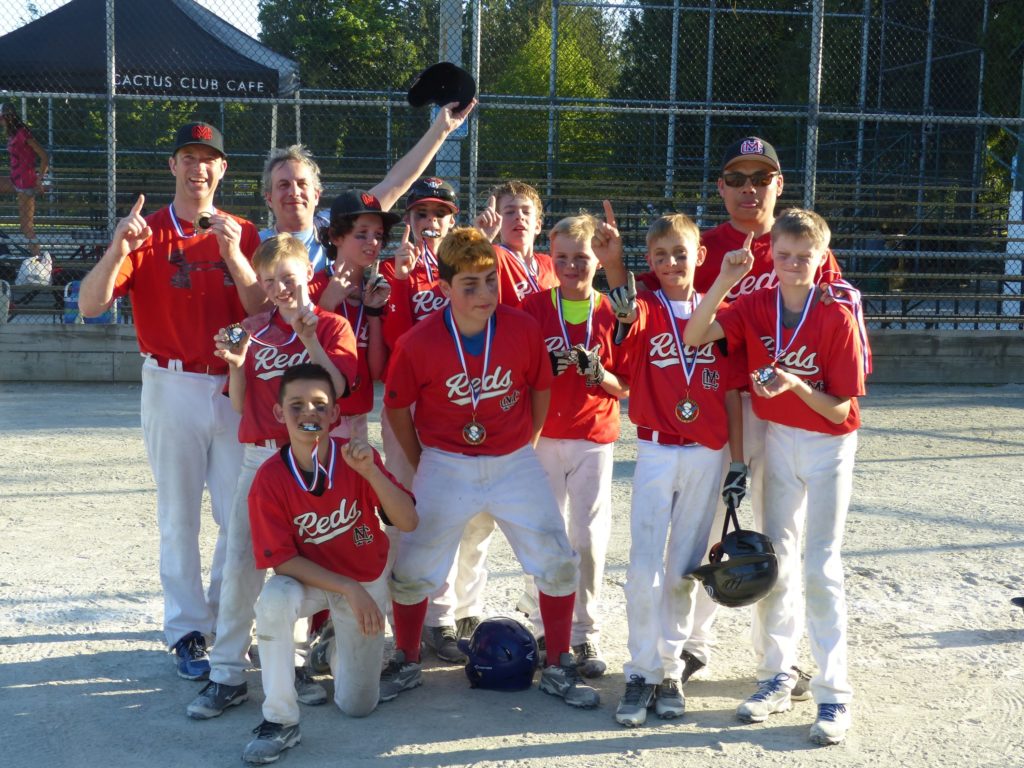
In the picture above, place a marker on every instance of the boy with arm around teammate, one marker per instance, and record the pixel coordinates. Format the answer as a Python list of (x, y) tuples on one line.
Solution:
[(807, 365), (316, 510), (678, 402)]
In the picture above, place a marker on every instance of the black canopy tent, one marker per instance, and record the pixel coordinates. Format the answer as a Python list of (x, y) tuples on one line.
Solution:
[(162, 48)]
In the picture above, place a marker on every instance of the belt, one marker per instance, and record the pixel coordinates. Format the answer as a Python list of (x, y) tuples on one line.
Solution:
[(266, 444), (178, 365), (662, 438)]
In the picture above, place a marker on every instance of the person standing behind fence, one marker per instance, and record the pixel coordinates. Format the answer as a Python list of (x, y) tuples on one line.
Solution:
[(24, 181), (187, 271)]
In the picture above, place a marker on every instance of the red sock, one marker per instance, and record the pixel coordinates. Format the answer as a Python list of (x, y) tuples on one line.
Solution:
[(317, 620), (556, 613), (409, 626)]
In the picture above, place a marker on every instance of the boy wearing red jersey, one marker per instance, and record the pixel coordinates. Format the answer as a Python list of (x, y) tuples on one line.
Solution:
[(479, 377), (265, 346), (678, 403), (582, 424), (315, 508), (807, 362)]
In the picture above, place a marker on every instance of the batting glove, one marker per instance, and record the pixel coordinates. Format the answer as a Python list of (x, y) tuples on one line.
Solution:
[(588, 363), (735, 486), (561, 360), (623, 298)]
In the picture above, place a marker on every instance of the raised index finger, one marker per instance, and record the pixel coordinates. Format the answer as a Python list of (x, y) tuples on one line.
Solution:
[(405, 234), (492, 204), (748, 241), (609, 214), (137, 208)]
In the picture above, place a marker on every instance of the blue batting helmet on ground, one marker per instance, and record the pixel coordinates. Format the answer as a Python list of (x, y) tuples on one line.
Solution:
[(502, 655)]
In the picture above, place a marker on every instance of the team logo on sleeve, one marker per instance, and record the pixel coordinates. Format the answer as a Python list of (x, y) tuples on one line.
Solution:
[(362, 535), (663, 352)]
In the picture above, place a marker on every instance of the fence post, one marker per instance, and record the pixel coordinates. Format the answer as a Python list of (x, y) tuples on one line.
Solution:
[(813, 102), (449, 158), (111, 121), (673, 84), (552, 91), (474, 125), (708, 94), (926, 109), (862, 95)]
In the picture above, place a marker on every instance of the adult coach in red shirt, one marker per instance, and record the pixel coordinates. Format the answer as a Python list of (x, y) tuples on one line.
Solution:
[(186, 268)]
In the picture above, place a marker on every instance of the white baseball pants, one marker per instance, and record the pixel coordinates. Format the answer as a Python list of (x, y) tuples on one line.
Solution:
[(356, 658), (191, 437), (580, 473), (242, 581), (808, 484), (451, 489), (462, 592), (702, 639), (674, 492)]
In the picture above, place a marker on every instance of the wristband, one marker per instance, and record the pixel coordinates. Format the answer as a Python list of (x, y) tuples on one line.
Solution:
[(373, 311)]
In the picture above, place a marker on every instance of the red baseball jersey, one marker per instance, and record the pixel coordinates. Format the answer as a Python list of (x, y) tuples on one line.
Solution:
[(578, 411), (412, 300), (264, 366), (658, 380), (181, 291), (360, 386), (826, 354), (339, 530), (724, 238), (426, 371), (516, 281)]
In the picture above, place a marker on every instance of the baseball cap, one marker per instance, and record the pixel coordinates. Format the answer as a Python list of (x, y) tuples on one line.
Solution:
[(199, 133), (355, 202), (751, 148), (442, 84), (431, 189)]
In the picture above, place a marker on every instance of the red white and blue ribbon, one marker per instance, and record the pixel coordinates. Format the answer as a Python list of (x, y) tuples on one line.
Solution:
[(842, 292), (779, 349), (177, 225), (689, 365), (328, 471), (561, 320), (429, 262), (474, 392)]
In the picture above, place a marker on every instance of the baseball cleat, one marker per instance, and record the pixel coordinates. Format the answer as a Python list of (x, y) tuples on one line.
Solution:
[(833, 722), (588, 659), (564, 681), (271, 740), (802, 690), (215, 698), (668, 700), (466, 626), (193, 661), (399, 675), (444, 642), (307, 690), (633, 706), (771, 698), (692, 666)]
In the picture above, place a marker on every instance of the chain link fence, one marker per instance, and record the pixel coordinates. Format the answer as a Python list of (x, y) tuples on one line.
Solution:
[(898, 120)]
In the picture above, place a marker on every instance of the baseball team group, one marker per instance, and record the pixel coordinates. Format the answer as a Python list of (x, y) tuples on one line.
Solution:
[(741, 351)]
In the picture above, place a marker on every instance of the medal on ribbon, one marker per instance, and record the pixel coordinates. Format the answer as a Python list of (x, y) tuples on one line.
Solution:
[(766, 373), (687, 410), (474, 433)]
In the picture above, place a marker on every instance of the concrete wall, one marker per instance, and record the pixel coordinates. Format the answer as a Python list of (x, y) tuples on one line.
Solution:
[(110, 353)]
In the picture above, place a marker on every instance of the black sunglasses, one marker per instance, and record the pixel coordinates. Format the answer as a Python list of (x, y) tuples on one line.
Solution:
[(758, 179)]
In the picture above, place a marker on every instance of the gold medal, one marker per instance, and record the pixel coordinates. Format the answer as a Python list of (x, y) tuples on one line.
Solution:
[(687, 410), (474, 432)]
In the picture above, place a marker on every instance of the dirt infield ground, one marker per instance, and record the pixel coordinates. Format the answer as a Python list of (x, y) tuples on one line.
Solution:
[(933, 552)]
